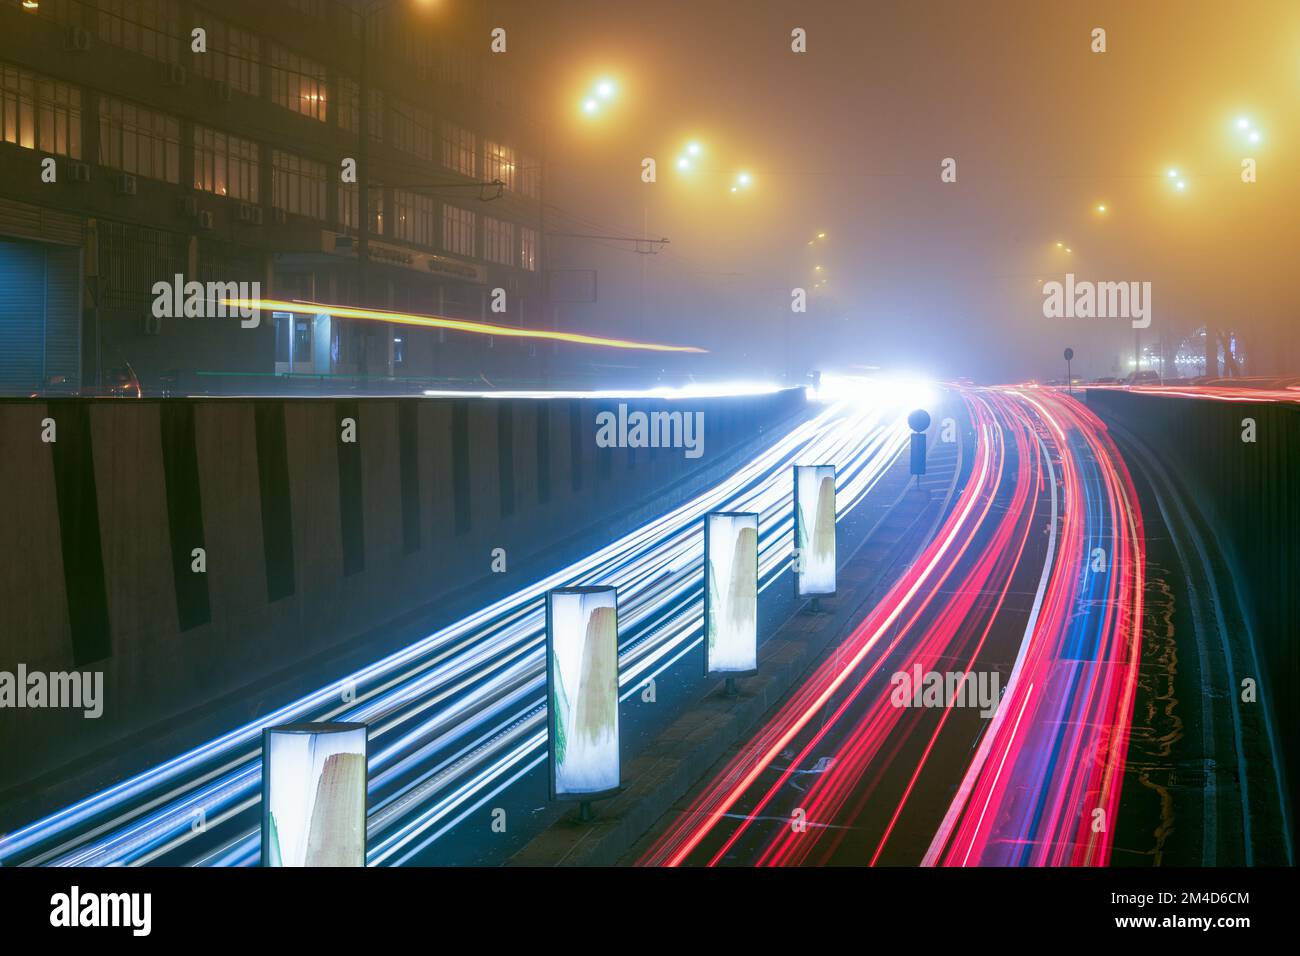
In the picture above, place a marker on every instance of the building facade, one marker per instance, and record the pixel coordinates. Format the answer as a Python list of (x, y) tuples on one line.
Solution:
[(142, 140)]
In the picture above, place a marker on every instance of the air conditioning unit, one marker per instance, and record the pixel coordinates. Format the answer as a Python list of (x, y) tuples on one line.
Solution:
[(152, 324), (173, 75), (223, 91), (205, 220), (124, 184), (279, 217), (190, 206), (250, 213), (76, 39), (79, 172)]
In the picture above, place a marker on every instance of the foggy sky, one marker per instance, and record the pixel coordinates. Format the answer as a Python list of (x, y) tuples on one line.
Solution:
[(848, 138)]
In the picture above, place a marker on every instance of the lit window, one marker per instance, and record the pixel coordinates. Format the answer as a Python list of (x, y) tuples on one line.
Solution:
[(37, 112), (224, 164), (528, 248), (498, 163), (297, 184), (498, 241), (139, 141), (459, 149), (458, 230), (297, 83), (414, 214)]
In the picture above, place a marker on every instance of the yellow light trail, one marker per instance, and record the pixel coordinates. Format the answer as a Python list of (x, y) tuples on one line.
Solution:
[(457, 325)]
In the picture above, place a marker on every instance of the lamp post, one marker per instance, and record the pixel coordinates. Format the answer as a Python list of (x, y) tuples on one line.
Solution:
[(363, 165), (603, 91)]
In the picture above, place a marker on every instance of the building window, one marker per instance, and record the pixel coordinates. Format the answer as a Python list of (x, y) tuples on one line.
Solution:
[(349, 199), (528, 248), (225, 164), (297, 184), (148, 27), (530, 177), (234, 57), (498, 163), (297, 83), (138, 140), (37, 112), (459, 150), (458, 230), (457, 70), (411, 129), (349, 108), (414, 217), (498, 241), (66, 12)]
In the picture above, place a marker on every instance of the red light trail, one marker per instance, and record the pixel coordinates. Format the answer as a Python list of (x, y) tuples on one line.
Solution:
[(1043, 784)]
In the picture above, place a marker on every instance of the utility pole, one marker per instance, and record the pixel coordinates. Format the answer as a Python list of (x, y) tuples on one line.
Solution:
[(363, 182)]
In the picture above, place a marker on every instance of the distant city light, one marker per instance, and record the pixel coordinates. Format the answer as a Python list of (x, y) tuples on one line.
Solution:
[(693, 149), (591, 105), (605, 89)]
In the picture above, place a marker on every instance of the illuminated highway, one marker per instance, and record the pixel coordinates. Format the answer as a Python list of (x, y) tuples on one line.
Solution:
[(1034, 583), (457, 719)]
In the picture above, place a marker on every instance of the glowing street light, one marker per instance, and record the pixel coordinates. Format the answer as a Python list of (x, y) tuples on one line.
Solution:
[(693, 148), (603, 91)]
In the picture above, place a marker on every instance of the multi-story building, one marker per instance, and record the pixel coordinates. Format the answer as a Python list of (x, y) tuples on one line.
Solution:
[(144, 139)]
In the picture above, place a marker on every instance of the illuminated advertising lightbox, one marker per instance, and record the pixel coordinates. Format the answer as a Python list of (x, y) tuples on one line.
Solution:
[(314, 795), (582, 691), (814, 530), (730, 592)]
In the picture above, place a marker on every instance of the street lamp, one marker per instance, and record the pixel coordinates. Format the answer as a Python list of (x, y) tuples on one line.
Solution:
[(601, 92)]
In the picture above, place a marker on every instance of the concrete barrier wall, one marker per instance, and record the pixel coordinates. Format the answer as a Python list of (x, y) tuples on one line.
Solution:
[(314, 547), (1249, 492)]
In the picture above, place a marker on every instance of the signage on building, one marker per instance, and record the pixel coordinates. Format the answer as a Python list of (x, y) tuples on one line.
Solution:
[(443, 267)]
